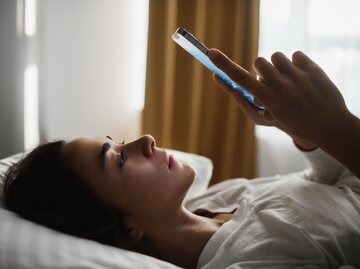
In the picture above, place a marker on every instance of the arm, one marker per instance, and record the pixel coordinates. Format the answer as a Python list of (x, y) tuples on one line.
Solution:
[(323, 168), (299, 99), (344, 144)]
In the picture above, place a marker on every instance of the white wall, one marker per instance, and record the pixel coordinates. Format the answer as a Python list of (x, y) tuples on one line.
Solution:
[(12, 62), (92, 67)]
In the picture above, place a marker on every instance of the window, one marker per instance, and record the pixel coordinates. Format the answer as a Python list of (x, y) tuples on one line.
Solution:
[(327, 30)]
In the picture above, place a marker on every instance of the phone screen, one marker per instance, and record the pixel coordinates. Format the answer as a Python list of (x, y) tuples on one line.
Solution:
[(198, 50)]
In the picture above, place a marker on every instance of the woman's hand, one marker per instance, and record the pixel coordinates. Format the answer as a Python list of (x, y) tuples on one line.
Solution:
[(301, 100), (261, 117), (298, 96)]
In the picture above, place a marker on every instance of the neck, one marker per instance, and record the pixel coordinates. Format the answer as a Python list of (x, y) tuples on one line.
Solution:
[(180, 240)]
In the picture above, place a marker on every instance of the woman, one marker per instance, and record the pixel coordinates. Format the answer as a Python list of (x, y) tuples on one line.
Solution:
[(131, 196)]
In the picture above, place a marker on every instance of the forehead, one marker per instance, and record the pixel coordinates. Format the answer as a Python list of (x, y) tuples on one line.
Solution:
[(78, 145), (82, 154)]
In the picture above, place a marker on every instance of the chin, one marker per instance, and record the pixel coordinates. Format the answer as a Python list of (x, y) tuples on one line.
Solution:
[(189, 178), (190, 171)]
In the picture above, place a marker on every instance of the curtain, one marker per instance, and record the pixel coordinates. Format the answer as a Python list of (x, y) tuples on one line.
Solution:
[(184, 109)]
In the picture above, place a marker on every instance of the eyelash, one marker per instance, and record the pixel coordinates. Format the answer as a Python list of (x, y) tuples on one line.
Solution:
[(122, 158)]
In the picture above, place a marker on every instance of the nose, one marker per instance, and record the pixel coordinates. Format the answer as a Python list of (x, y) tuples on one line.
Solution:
[(148, 145)]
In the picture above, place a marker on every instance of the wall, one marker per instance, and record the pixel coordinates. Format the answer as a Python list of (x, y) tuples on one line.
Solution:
[(92, 67), (91, 57), (11, 80)]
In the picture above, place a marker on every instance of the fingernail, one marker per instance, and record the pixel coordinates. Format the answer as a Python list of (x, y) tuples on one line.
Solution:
[(213, 54)]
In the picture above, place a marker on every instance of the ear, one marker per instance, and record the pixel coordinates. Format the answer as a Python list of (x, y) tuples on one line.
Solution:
[(134, 231), (135, 235)]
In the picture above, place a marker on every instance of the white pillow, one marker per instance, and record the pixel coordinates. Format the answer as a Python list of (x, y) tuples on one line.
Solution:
[(26, 245)]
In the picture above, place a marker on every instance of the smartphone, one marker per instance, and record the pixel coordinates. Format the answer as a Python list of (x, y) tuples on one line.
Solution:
[(198, 50)]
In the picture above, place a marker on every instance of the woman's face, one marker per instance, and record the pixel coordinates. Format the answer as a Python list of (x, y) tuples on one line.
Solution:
[(137, 178)]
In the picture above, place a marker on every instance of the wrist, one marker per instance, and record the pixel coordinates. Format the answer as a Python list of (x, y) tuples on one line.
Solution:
[(343, 131), (343, 143)]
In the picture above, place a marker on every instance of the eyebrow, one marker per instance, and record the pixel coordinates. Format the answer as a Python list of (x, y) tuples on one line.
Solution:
[(104, 148)]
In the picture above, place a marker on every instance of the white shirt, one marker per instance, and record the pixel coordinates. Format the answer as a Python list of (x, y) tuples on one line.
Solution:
[(309, 219)]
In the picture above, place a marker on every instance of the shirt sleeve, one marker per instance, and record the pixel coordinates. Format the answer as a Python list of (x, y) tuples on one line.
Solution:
[(323, 168)]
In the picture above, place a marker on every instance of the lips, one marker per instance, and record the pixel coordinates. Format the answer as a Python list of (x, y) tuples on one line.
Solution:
[(171, 161)]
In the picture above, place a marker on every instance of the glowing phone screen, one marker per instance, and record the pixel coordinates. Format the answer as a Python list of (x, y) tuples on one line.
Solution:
[(193, 46)]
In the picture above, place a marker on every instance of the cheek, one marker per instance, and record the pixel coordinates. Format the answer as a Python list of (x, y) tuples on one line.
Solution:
[(179, 181), (151, 186), (147, 173), (138, 184)]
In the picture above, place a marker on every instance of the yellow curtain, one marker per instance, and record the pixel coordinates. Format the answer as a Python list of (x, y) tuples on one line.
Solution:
[(184, 109)]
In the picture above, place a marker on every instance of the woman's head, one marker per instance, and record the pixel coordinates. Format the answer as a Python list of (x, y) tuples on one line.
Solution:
[(42, 188), (134, 177), (98, 189)]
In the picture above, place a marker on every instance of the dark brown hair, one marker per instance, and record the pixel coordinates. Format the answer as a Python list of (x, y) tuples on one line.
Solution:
[(42, 189)]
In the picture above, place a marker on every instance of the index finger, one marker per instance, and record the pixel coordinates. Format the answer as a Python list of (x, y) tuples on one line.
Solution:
[(238, 74)]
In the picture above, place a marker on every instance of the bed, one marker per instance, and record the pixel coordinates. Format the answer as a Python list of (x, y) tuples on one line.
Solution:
[(26, 245)]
